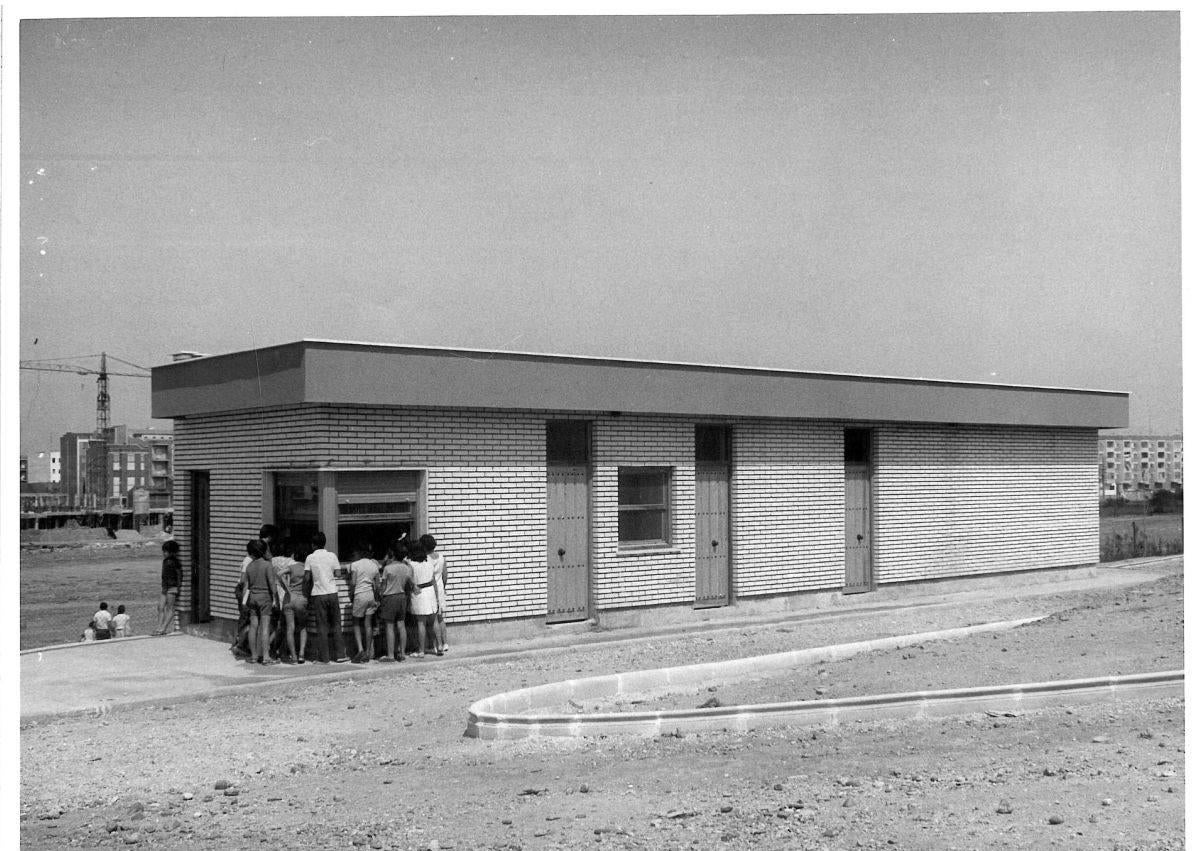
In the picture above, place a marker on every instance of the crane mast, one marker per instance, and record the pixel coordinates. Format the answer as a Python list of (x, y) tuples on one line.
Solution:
[(102, 408)]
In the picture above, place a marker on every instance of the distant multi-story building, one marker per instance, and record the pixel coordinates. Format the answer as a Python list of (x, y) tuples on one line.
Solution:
[(73, 452), (162, 465), (1134, 466), (45, 467), (103, 472)]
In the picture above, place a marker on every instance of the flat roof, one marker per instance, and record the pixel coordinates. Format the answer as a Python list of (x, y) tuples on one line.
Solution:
[(314, 371)]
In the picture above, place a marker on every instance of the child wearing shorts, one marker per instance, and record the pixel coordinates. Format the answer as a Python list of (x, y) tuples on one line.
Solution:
[(364, 583), (395, 585)]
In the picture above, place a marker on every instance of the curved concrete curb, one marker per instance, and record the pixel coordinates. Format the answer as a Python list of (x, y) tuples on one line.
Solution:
[(922, 704), (507, 715)]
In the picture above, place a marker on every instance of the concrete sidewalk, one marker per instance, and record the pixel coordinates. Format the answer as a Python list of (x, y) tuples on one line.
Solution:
[(101, 676)]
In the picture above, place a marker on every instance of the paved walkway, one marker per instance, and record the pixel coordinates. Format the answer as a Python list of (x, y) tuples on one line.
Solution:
[(176, 668)]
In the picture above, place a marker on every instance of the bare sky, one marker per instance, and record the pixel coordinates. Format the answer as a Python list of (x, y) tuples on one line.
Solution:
[(982, 197)]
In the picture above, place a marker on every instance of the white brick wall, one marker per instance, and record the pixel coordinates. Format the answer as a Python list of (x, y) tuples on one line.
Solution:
[(973, 499), (628, 578), (788, 494), (948, 501)]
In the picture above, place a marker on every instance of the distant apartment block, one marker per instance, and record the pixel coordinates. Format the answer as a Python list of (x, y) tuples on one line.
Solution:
[(1134, 466), (103, 472), (44, 467)]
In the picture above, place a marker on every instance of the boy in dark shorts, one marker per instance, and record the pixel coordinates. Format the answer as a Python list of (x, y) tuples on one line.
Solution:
[(172, 578), (396, 583)]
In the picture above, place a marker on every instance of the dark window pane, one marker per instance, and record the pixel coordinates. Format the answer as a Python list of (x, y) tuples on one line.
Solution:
[(641, 487), (646, 525)]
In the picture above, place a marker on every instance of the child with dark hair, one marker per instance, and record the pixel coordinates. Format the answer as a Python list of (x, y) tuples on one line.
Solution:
[(364, 585), (423, 601), (89, 634), (292, 603), (260, 599), (172, 578), (102, 619), (396, 584), (439, 583), (120, 623), (320, 569)]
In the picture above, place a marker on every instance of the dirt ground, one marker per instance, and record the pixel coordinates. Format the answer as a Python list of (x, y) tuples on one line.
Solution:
[(382, 763), (61, 590), (1142, 630)]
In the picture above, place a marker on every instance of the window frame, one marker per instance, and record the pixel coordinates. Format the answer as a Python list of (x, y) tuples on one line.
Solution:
[(666, 507)]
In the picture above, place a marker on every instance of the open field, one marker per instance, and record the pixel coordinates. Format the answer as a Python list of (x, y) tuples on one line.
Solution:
[(381, 763), (61, 591), (1162, 534)]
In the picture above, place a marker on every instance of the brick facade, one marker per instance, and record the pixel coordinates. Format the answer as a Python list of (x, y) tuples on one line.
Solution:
[(975, 499), (948, 501)]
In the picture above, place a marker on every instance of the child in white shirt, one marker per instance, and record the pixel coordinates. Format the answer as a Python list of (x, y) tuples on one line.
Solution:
[(120, 623)]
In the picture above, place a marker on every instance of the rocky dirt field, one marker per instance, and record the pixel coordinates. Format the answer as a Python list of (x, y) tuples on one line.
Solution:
[(382, 763)]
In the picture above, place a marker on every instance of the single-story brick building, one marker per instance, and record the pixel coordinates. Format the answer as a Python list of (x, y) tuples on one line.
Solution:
[(569, 488)]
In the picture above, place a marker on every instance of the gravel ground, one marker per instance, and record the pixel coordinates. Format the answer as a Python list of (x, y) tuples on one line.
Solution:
[(1142, 631), (382, 763)]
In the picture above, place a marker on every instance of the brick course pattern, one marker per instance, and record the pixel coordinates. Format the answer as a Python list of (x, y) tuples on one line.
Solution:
[(973, 500), (948, 501)]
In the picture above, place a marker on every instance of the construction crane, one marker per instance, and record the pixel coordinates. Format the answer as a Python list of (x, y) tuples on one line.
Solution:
[(102, 397)]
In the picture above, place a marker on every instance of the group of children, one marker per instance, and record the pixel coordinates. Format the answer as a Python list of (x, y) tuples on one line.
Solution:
[(104, 625), (284, 590)]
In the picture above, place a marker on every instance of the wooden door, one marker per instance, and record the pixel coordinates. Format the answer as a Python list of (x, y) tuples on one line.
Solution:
[(858, 528), (712, 535), (201, 564), (566, 543)]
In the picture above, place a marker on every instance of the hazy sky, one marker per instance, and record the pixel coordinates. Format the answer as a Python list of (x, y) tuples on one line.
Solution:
[(983, 197)]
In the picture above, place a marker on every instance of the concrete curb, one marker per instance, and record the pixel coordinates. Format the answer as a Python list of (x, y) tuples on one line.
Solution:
[(505, 714), (922, 704), (107, 642)]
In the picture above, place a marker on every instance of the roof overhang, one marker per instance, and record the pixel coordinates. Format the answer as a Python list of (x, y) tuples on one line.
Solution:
[(315, 372)]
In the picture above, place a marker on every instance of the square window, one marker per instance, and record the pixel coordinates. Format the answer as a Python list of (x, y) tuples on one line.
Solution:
[(643, 506)]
